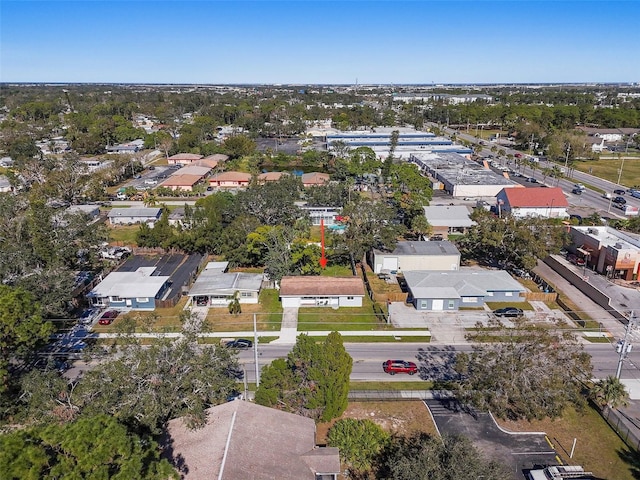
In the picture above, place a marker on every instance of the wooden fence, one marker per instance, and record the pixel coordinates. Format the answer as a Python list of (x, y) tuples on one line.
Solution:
[(540, 296)]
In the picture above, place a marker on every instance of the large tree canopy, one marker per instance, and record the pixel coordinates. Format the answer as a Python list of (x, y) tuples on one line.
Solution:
[(91, 447), (510, 241), (423, 457), (22, 328), (533, 372), (313, 381)]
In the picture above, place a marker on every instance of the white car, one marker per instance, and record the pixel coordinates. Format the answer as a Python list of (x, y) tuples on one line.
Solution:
[(151, 181)]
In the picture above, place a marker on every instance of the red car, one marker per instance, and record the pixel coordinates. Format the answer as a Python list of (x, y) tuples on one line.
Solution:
[(108, 317), (399, 366)]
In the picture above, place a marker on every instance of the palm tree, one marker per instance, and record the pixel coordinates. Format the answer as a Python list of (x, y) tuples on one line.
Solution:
[(610, 392), (234, 305)]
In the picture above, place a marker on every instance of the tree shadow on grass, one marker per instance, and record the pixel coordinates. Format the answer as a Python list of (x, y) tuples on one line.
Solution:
[(631, 458)]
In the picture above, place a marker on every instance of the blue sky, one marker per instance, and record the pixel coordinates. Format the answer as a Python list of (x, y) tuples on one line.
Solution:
[(301, 41)]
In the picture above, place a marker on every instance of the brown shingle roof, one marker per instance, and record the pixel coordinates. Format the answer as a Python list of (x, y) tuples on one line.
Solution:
[(271, 176), (231, 177), (181, 180), (318, 285), (536, 197), (263, 443), (315, 178)]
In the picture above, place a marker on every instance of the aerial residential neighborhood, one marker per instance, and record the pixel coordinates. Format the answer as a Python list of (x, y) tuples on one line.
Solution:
[(244, 241)]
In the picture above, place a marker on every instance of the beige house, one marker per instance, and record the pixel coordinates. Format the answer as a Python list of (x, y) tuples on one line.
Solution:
[(314, 179), (183, 158), (230, 180), (319, 291), (271, 176), (409, 256)]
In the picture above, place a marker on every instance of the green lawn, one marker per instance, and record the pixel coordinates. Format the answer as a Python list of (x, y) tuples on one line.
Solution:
[(609, 170), (346, 318), (124, 234), (598, 447)]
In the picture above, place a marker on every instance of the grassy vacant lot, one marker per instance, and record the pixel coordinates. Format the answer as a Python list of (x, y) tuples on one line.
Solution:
[(609, 169), (598, 447), (123, 234)]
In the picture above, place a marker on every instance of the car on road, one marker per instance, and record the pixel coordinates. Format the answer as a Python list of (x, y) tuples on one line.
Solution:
[(512, 312), (531, 180), (606, 195), (635, 193), (576, 191), (579, 186), (619, 200), (108, 317), (619, 191), (399, 366), (240, 344)]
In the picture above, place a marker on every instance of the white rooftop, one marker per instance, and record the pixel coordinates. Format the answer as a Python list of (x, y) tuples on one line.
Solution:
[(448, 216), (141, 283)]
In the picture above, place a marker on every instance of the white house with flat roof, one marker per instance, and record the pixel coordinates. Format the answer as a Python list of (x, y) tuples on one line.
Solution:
[(129, 290)]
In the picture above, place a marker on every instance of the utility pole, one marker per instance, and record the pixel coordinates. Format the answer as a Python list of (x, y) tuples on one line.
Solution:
[(566, 161), (255, 349), (624, 346)]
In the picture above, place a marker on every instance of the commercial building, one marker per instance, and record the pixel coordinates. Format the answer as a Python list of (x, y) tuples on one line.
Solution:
[(410, 141), (533, 202), (126, 216), (459, 176), (607, 251)]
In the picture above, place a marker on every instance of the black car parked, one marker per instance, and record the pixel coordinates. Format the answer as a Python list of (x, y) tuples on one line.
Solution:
[(508, 312), (241, 344), (619, 200)]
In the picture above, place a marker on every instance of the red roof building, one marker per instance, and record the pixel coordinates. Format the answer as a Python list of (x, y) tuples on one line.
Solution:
[(549, 202), (230, 180)]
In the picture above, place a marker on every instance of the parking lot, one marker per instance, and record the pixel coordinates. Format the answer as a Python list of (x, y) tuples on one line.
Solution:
[(519, 451)]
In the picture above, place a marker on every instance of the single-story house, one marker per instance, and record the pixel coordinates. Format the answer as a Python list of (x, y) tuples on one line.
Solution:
[(271, 176), (92, 211), (532, 202), (217, 157), (216, 288), (244, 440), (184, 158), (130, 290), (230, 180), (130, 148), (329, 215), (125, 216), (467, 287), (314, 179), (319, 291), (179, 181), (5, 185), (415, 255), (447, 219)]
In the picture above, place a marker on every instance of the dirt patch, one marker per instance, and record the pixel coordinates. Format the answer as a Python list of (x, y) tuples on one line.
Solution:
[(400, 418)]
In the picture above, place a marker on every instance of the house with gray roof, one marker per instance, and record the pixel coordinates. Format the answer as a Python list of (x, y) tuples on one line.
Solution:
[(243, 440), (415, 255), (5, 184), (130, 290), (448, 219), (467, 287), (126, 216), (216, 288)]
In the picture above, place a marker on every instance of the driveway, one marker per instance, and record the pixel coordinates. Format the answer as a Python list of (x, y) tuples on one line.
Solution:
[(517, 451)]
